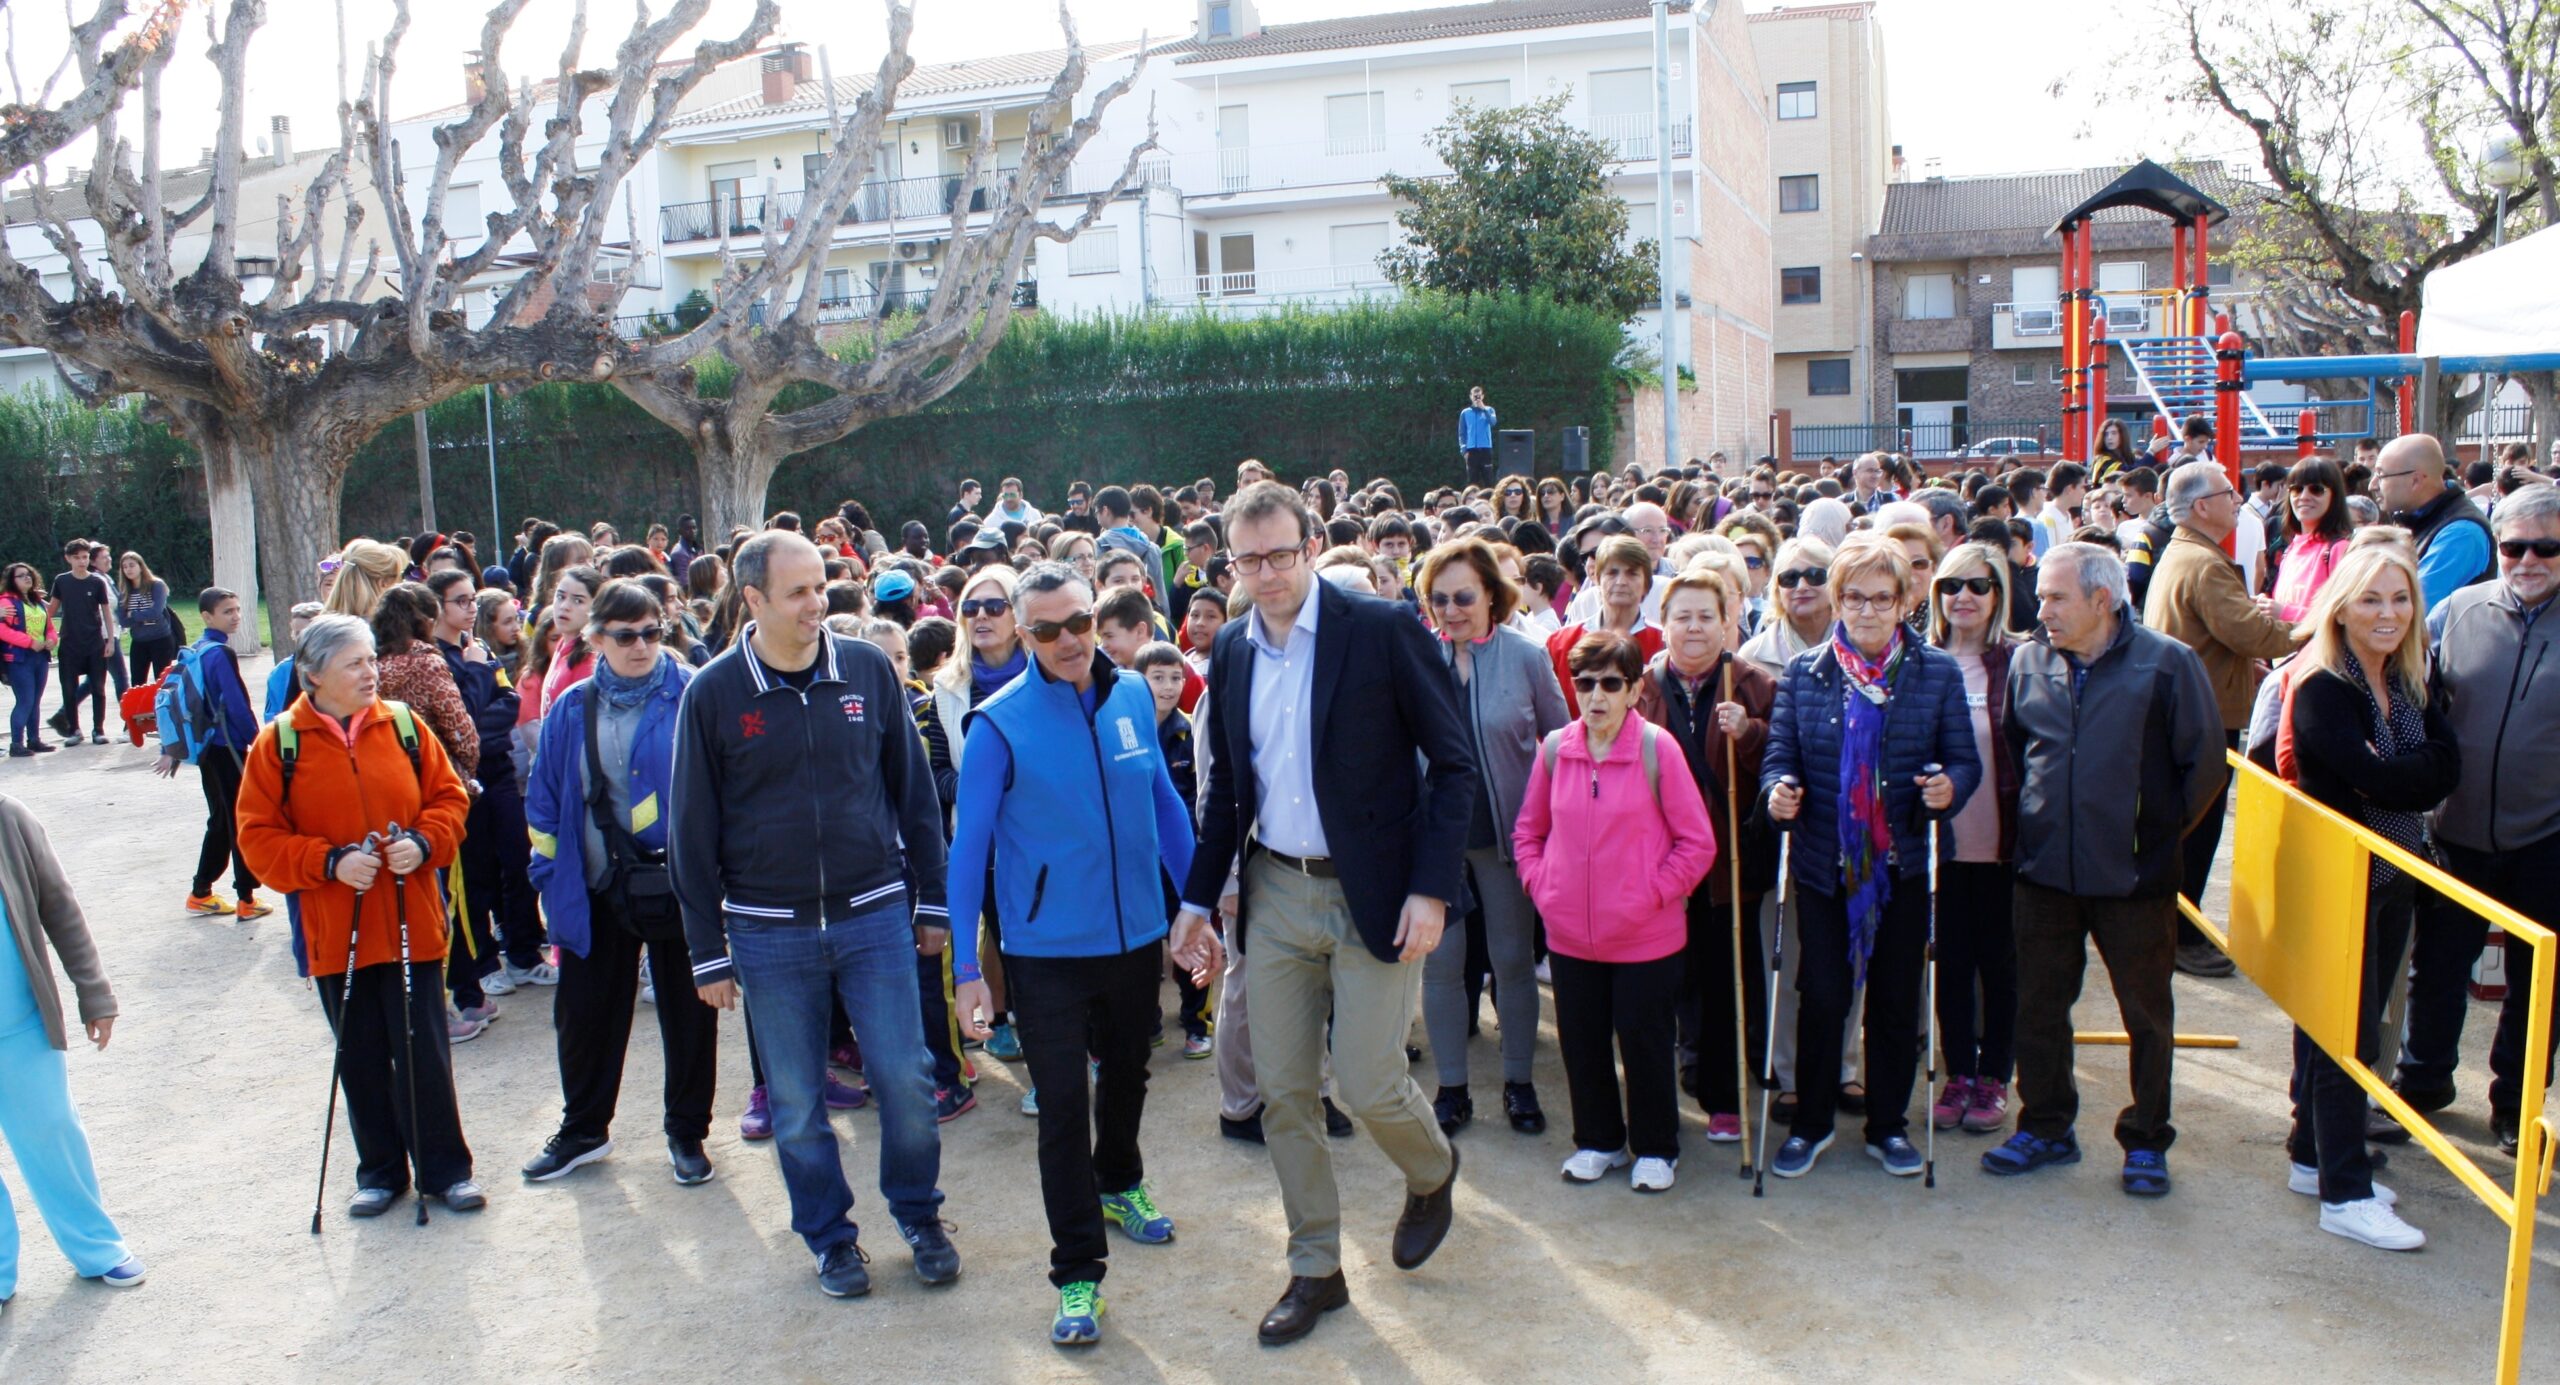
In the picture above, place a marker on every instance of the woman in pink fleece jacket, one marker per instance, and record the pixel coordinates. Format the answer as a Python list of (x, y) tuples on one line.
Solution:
[(1611, 839)]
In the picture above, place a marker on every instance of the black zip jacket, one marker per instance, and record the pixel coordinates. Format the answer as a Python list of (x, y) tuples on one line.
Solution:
[(799, 806)]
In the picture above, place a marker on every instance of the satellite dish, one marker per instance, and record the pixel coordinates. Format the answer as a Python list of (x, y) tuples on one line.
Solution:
[(262, 144)]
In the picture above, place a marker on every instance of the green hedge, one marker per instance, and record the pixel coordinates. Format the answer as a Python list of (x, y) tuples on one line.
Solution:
[(67, 471)]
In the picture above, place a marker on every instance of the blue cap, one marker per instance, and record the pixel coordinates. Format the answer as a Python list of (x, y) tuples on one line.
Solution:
[(893, 586), (494, 576)]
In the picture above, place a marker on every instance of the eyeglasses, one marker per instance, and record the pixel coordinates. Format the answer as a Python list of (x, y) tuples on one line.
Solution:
[(1587, 683), (1859, 601), (1464, 601), (2306, 487), (1794, 576), (984, 606), (1754, 561), (1278, 560), (646, 634), (329, 565), (1979, 586), (466, 601), (1653, 531), (2513, 549), (1047, 631), (2381, 476)]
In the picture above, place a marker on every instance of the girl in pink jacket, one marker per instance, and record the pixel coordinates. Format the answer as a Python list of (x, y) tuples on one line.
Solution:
[(1612, 838)]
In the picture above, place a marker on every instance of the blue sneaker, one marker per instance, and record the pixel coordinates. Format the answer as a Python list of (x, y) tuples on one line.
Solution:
[(841, 1273), (2025, 1153), (2146, 1173), (843, 1096), (1079, 1320), (1005, 1044), (126, 1275), (1795, 1157), (1897, 1156), (1135, 1213)]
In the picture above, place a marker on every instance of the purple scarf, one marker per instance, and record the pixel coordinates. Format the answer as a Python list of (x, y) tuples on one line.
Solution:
[(1866, 838)]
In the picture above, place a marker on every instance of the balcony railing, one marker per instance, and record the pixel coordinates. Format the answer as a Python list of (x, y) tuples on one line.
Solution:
[(902, 199), (1632, 135), (860, 305), (1309, 281)]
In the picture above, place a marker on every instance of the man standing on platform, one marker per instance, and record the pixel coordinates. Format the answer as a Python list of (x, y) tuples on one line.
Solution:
[(1475, 437)]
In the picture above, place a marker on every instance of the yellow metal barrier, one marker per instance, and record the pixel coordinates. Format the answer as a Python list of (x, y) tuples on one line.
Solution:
[(2297, 928)]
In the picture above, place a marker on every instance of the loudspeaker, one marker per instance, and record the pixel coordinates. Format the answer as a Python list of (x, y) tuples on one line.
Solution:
[(1514, 452), (1577, 448)]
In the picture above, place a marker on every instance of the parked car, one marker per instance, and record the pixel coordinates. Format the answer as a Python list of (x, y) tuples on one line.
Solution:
[(2007, 447)]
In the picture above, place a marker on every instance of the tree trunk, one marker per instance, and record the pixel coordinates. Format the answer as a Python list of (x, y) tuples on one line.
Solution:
[(299, 481), (2543, 388), (735, 475), (235, 533)]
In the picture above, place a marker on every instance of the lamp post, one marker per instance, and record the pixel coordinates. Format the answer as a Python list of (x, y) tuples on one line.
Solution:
[(1858, 343), (2502, 163)]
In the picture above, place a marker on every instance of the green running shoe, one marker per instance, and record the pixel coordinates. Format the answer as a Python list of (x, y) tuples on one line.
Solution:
[(1079, 1320), (1136, 1214)]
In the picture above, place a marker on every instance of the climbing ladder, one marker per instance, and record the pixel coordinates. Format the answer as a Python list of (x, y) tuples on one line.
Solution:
[(2177, 374)]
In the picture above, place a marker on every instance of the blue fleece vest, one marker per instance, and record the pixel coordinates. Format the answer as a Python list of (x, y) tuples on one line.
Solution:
[(1077, 868)]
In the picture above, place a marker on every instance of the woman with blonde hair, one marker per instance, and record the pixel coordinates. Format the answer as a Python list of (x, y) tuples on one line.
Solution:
[(1976, 942), (2364, 740), (366, 569), (992, 654)]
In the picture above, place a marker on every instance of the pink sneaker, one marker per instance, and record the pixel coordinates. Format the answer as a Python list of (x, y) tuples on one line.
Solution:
[(757, 1121), (1954, 1099), (1989, 1109), (1724, 1128)]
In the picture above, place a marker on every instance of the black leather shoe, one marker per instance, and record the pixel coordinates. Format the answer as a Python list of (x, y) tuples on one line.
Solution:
[(1454, 1109), (2424, 1099), (692, 1166), (1248, 1130), (2381, 1129), (1425, 1220), (1520, 1103), (2503, 1127), (1306, 1300), (1336, 1124)]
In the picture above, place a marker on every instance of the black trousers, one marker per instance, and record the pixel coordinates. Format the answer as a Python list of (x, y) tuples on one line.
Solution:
[(83, 665), (1065, 1008), (1977, 947), (1479, 466), (148, 659), (378, 1041), (2450, 937), (2195, 865), (941, 1037), (219, 773), (1706, 999), (2140, 947), (2328, 1106), (497, 893), (591, 1021), (1824, 989), (1628, 1004)]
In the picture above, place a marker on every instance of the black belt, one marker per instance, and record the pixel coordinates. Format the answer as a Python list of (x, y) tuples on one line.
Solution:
[(1320, 867)]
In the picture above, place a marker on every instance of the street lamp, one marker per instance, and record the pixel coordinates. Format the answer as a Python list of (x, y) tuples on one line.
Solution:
[(2502, 163), (1858, 343)]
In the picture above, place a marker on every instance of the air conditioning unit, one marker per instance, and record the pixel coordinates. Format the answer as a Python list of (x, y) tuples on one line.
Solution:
[(955, 134), (914, 251)]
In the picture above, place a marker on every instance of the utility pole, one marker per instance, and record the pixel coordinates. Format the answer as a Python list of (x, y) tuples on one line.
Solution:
[(1662, 233), (426, 475)]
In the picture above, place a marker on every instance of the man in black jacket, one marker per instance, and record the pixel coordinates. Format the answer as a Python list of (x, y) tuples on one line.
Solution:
[(803, 805), (1351, 855)]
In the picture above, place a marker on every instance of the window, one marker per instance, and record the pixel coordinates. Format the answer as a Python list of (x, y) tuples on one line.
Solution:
[(2023, 375), (1222, 22), (1929, 296), (1484, 96), (1355, 124), (1642, 221), (2120, 276), (463, 220), (1800, 192), (1622, 110), (1235, 140), (2217, 276), (1097, 251), (2057, 372), (1827, 377), (1800, 285), (1355, 252), (2036, 286), (813, 171), (1796, 101), (1235, 264)]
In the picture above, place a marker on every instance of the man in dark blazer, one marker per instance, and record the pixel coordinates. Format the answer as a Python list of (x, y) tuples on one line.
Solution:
[(1351, 855)]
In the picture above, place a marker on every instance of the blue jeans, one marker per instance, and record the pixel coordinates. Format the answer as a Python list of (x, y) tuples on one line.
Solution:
[(791, 973), (26, 683)]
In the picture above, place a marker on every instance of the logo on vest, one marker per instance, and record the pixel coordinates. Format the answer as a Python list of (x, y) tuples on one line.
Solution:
[(1128, 740)]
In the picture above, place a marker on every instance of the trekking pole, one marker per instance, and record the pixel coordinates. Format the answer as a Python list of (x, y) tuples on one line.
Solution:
[(338, 1057), (1777, 954), (408, 1015), (1741, 1012), (1929, 1164)]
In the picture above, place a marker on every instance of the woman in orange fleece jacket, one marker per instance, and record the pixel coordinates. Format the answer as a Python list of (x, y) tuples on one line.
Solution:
[(329, 838)]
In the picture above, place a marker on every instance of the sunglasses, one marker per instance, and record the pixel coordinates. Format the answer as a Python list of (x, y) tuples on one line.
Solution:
[(984, 606), (1764, 495), (1795, 576), (1979, 586), (1464, 601), (1586, 683), (2302, 487), (1754, 561), (2512, 549), (1047, 631), (646, 634)]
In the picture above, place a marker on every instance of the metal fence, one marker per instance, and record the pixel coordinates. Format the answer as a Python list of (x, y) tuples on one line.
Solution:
[(1987, 440)]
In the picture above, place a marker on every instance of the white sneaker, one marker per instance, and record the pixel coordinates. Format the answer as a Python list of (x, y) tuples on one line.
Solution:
[(1587, 1165), (1652, 1175), (539, 974), (2371, 1221), (648, 984), (1031, 1102), (2306, 1180), (496, 983)]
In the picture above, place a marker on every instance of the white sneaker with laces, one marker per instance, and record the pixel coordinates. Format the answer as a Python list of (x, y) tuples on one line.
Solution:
[(1652, 1175), (2372, 1222), (539, 974), (1587, 1165), (496, 983), (2305, 1179)]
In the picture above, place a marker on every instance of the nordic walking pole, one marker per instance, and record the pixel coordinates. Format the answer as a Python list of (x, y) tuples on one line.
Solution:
[(1929, 1169), (1777, 954), (408, 1016), (338, 1056), (1741, 1015)]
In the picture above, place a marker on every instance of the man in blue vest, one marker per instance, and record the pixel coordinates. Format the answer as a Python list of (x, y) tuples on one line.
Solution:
[(1061, 777)]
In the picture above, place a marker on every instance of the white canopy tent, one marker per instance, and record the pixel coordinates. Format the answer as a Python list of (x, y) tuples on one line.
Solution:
[(2501, 303)]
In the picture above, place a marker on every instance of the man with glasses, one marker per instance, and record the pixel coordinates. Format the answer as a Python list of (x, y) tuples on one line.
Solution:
[(808, 857), (2501, 828), (2451, 533), (2197, 598), (1063, 781), (1340, 785)]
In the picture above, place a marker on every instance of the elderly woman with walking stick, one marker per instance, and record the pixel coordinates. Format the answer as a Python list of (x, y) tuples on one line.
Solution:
[(348, 801)]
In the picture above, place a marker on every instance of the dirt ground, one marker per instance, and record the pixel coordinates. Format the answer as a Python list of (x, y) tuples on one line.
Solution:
[(205, 1117)]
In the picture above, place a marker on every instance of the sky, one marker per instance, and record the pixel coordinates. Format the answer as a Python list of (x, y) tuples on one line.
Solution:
[(1968, 80)]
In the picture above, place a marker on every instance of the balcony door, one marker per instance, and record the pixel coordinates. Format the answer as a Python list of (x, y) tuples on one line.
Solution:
[(1235, 138), (731, 199)]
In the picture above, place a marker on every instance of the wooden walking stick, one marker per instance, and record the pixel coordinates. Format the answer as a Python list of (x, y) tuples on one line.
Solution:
[(1733, 857)]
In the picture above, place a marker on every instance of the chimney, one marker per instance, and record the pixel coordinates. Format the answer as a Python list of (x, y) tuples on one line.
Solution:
[(784, 70), (1222, 21), (1900, 172), (475, 80), (283, 130)]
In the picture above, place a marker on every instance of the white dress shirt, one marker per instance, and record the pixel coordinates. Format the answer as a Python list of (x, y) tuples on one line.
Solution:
[(1282, 715)]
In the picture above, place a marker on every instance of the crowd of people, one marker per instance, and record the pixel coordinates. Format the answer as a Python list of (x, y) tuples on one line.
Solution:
[(1713, 760)]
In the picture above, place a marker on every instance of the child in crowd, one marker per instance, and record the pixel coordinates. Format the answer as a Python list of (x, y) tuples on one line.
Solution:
[(1168, 676)]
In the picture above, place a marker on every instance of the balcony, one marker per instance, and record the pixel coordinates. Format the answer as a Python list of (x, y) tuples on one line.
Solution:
[(834, 309), (1631, 136), (1311, 283), (1911, 334), (1354, 160)]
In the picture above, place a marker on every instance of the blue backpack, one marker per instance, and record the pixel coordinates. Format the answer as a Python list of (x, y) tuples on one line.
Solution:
[(188, 714)]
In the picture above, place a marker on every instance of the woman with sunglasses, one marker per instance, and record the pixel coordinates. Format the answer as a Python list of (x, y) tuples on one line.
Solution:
[(1871, 738), (1511, 499), (1803, 615), (1503, 680), (1555, 507), (26, 647), (1612, 838), (601, 781), (991, 656), (2317, 526), (1975, 943)]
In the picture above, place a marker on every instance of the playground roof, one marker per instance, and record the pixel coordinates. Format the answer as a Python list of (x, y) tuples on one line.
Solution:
[(2149, 187)]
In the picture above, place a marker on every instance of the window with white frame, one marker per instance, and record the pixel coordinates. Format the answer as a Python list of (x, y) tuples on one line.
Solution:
[(1097, 251), (1484, 96), (463, 219), (1929, 296), (2024, 374), (1222, 22), (1354, 252), (838, 289), (1355, 123), (2057, 372), (1622, 110), (1797, 101)]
